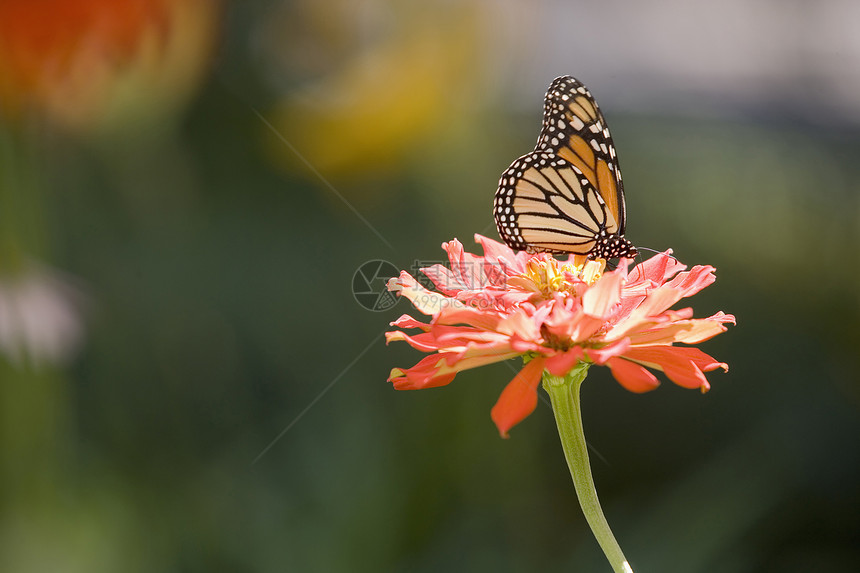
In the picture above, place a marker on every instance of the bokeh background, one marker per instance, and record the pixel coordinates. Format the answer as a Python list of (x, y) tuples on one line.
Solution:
[(187, 189)]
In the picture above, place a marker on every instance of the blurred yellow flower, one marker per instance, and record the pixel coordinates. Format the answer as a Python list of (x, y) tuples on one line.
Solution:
[(366, 108)]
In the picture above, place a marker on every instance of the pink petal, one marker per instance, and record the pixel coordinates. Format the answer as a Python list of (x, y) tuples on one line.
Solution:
[(523, 346), (566, 321), (601, 355), (423, 300), (444, 280), (461, 335), (657, 333), (447, 337), (656, 269), (702, 329), (632, 376), (703, 361), (454, 248), (562, 363), (456, 259), (685, 374), (519, 397), (659, 300), (406, 321), (475, 356), (494, 250), (425, 374), (682, 365), (521, 325), (584, 327), (600, 300), (500, 261), (467, 267), (694, 280), (450, 315), (423, 342), (723, 318)]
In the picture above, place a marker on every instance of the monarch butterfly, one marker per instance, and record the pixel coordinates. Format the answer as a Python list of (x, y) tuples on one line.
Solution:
[(566, 196)]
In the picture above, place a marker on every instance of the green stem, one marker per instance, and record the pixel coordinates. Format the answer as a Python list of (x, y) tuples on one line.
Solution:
[(564, 394)]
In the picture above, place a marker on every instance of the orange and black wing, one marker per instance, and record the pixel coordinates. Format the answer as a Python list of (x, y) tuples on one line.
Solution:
[(544, 203), (575, 130)]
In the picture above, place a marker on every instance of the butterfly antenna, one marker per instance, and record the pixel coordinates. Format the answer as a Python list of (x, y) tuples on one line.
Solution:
[(655, 252)]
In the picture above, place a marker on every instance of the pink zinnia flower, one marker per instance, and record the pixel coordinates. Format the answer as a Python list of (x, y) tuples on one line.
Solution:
[(557, 314)]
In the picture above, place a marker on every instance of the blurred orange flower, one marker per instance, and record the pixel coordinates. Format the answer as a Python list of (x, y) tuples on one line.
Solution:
[(96, 65), (556, 314)]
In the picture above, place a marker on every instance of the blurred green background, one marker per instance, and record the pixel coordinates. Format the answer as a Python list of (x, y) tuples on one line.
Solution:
[(187, 189)]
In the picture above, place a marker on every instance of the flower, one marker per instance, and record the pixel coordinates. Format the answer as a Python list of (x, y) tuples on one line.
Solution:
[(556, 314), (40, 317), (98, 65)]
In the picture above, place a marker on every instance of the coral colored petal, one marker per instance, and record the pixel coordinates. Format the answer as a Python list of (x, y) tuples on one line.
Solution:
[(454, 248), (468, 267), (562, 363), (700, 330), (444, 338), (406, 321), (444, 280), (601, 298), (413, 341), (519, 397), (520, 325), (685, 374), (483, 358), (683, 366), (694, 280), (723, 317), (656, 303), (523, 283), (394, 336), (656, 269), (601, 355), (659, 300), (574, 325), (585, 327), (424, 300), (462, 314), (524, 346), (495, 250), (463, 335), (660, 334), (425, 374), (439, 369), (480, 347), (501, 261), (632, 376), (703, 361)]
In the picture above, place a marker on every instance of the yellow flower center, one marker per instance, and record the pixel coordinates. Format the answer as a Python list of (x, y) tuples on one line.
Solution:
[(546, 275)]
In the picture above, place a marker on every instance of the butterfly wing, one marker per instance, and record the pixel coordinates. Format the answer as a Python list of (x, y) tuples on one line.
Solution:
[(575, 130), (545, 203)]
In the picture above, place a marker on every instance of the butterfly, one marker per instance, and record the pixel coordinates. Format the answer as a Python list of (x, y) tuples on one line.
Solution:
[(566, 196)]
